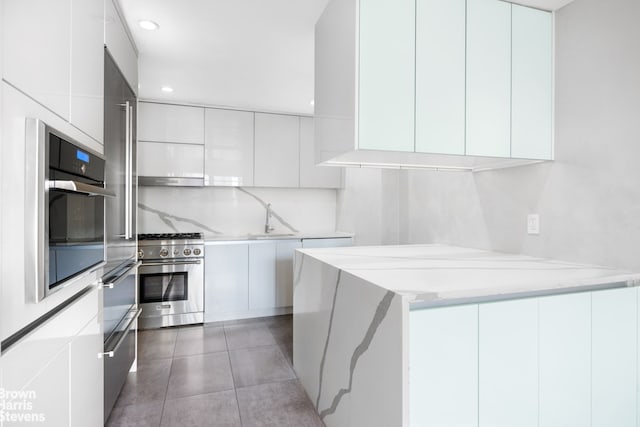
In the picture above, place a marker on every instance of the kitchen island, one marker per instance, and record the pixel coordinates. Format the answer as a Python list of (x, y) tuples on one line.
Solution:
[(434, 335)]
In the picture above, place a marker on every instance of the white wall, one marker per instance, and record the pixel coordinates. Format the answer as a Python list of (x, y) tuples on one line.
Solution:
[(589, 197), (232, 211), (369, 206)]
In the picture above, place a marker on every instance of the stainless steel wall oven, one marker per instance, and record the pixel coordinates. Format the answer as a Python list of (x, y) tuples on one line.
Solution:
[(64, 200)]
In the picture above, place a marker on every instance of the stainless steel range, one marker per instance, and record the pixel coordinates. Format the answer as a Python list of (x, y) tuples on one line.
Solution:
[(171, 279)]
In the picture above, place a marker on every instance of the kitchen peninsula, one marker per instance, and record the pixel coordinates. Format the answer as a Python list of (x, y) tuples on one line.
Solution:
[(427, 335)]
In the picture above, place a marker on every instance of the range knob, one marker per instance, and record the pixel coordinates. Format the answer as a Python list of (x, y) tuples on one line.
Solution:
[(197, 251), (164, 252), (187, 252), (140, 254), (176, 252)]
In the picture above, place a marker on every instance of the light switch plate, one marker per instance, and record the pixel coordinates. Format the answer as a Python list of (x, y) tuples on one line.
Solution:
[(533, 224)]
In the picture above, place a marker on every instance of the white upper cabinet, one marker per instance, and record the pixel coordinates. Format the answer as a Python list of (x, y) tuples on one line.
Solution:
[(386, 75), (120, 45), (228, 147), (532, 83), (440, 76), (488, 78), (277, 158), (170, 123), (37, 54), (431, 83), (170, 160), (87, 67), (312, 176)]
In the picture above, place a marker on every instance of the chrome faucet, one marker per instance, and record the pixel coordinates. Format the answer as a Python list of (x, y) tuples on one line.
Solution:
[(267, 226)]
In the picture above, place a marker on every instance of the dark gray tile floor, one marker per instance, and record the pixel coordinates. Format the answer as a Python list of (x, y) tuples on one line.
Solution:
[(229, 374)]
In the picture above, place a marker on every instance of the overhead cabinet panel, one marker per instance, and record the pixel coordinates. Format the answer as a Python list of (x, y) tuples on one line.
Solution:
[(37, 50), (119, 44), (440, 76), (170, 123), (531, 89), (312, 176), (277, 156), (488, 78), (87, 67), (170, 160), (386, 75), (228, 147)]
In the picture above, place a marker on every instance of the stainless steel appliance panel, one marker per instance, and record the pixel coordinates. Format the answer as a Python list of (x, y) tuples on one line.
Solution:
[(121, 172), (64, 201), (171, 288)]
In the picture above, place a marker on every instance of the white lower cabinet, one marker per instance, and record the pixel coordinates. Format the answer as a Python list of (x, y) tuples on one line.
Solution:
[(262, 276), (556, 361), (58, 368), (50, 393), (86, 376), (327, 243), (508, 364), (284, 272), (253, 279), (614, 358), (443, 361), (565, 360), (227, 280)]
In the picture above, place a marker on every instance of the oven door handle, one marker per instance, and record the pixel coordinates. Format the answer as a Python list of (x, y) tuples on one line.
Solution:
[(114, 280), (159, 264), (127, 329), (80, 188)]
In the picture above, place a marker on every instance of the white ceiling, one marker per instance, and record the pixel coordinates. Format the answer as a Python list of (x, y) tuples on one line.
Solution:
[(254, 54)]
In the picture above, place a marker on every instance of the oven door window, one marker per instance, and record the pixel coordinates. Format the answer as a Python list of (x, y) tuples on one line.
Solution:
[(163, 287), (76, 234)]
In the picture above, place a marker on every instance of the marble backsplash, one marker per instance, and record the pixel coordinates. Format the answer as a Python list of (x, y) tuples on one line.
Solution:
[(235, 210)]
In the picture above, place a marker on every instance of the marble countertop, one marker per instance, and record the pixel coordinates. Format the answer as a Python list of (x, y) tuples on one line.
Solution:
[(434, 275), (218, 238)]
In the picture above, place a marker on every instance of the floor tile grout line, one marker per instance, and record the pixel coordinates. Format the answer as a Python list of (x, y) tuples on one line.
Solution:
[(233, 380)]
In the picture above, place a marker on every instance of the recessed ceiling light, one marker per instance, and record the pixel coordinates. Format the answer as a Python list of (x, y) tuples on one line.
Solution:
[(167, 89), (148, 25), (312, 102)]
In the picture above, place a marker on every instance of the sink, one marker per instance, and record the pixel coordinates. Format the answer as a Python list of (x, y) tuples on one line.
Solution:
[(270, 236)]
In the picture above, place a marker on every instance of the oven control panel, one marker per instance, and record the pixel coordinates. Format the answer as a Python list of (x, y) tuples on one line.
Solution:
[(170, 252)]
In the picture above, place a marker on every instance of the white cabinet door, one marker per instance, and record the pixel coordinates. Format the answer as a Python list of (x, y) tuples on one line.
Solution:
[(226, 280), (532, 75), (277, 158), (565, 360), (327, 243), (443, 366), (87, 66), (228, 147), (119, 45), (440, 76), (508, 361), (51, 391), (488, 78), (284, 272), (170, 160), (386, 75), (37, 54), (170, 123), (312, 176), (87, 376), (262, 276), (614, 358)]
